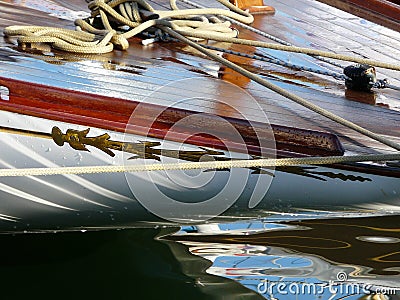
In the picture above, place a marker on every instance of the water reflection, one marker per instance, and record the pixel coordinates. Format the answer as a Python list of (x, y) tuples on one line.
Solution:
[(281, 257), (307, 259)]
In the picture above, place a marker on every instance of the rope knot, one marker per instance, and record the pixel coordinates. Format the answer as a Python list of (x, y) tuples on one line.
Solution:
[(120, 42), (161, 35)]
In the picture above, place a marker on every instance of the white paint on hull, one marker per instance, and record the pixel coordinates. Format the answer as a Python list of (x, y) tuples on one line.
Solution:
[(71, 201)]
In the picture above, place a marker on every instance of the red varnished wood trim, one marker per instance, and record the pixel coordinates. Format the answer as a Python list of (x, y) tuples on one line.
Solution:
[(386, 8), (114, 114)]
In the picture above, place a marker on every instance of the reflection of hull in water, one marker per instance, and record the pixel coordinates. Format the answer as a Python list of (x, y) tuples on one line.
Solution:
[(356, 254), (101, 200), (276, 271)]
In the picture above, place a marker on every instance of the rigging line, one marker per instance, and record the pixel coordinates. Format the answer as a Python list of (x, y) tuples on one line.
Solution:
[(291, 49), (278, 62), (380, 84), (256, 163), (283, 92), (265, 34), (84, 42), (151, 91), (273, 60), (141, 88), (271, 37)]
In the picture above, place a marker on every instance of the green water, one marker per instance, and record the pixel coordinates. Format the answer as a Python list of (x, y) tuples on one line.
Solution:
[(117, 264), (138, 264)]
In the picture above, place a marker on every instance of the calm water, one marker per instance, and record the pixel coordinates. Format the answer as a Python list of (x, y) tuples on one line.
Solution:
[(298, 258)]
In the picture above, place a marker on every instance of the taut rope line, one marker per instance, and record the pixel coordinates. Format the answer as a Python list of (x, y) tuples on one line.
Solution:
[(284, 92), (256, 163)]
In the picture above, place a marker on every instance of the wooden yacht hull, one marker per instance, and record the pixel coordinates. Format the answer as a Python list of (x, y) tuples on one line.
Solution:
[(63, 202)]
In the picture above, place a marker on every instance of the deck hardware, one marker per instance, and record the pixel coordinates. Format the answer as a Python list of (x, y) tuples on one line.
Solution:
[(360, 77), (254, 6), (78, 140)]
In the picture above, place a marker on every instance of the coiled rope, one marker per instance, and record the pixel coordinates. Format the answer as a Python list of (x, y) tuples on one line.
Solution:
[(129, 13)]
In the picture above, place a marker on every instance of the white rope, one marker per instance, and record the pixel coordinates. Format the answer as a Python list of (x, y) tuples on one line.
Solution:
[(256, 163)]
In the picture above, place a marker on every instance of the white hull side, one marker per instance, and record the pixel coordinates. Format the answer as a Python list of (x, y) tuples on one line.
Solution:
[(78, 201)]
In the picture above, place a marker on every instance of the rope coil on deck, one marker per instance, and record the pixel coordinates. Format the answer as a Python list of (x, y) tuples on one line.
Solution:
[(112, 16)]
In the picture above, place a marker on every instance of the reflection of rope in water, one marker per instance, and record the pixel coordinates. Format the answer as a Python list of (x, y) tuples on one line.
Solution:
[(274, 261), (380, 258), (362, 226), (236, 265), (301, 245)]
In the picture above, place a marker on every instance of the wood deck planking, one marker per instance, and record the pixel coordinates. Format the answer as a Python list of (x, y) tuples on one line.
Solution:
[(352, 28), (328, 126), (76, 5), (391, 75), (145, 83), (14, 14), (140, 78), (349, 21), (278, 112), (379, 11), (101, 80), (351, 42)]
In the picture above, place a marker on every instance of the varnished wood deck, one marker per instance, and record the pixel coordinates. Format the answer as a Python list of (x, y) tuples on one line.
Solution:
[(383, 12), (136, 73)]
